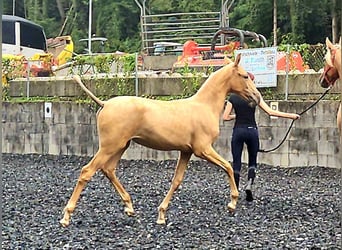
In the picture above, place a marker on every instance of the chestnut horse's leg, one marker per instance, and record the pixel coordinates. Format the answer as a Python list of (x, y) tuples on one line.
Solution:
[(86, 173), (212, 156), (176, 181), (109, 172)]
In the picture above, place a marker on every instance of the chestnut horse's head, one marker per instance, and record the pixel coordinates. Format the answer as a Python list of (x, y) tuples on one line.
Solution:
[(330, 73)]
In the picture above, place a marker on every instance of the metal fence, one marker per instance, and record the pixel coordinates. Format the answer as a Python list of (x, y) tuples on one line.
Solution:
[(172, 30), (315, 56), (180, 27)]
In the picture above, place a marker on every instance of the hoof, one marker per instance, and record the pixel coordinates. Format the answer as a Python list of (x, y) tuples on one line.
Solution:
[(161, 216), (231, 208), (160, 222), (129, 212), (64, 222)]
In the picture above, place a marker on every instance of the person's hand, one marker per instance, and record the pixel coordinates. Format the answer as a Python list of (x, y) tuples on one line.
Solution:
[(295, 116)]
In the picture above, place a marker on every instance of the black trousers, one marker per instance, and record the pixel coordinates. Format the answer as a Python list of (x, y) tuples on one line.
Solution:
[(250, 137)]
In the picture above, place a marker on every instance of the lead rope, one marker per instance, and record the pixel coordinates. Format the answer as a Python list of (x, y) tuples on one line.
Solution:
[(289, 129)]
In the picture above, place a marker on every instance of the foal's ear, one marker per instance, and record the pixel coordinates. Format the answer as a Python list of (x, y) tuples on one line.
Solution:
[(237, 59)]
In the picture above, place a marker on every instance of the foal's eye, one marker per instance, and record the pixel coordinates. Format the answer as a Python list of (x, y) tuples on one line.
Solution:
[(244, 76)]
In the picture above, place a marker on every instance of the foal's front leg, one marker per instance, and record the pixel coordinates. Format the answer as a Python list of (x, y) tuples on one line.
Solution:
[(212, 156), (176, 181)]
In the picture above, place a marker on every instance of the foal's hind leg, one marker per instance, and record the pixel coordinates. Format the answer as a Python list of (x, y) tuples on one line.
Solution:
[(176, 181), (109, 172), (86, 173), (212, 156)]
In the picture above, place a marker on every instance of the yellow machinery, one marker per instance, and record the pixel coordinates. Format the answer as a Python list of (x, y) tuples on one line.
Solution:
[(59, 52), (61, 48)]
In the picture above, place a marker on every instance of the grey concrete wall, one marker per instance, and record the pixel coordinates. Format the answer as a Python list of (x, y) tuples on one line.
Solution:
[(71, 130), (159, 62), (149, 84)]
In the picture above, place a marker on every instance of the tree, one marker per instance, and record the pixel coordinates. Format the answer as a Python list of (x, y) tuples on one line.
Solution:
[(275, 23), (297, 21), (303, 21), (60, 7), (253, 15), (335, 20), (119, 22)]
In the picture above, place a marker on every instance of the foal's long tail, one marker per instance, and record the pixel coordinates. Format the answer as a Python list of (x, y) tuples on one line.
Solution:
[(77, 78)]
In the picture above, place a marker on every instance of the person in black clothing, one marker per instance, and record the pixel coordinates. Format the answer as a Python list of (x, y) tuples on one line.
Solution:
[(245, 131)]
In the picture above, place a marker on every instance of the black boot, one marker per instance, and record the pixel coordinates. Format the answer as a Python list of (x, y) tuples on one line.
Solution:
[(237, 179), (251, 173), (248, 190)]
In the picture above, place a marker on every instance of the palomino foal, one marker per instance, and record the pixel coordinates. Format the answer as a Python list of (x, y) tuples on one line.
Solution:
[(332, 72), (188, 125)]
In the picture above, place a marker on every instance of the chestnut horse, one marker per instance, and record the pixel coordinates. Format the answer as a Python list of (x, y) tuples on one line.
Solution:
[(188, 125), (332, 72)]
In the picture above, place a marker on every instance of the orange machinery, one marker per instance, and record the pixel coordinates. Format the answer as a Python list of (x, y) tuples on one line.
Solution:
[(215, 56), (195, 56)]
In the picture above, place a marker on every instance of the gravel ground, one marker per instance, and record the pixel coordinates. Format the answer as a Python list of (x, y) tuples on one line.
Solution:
[(295, 208)]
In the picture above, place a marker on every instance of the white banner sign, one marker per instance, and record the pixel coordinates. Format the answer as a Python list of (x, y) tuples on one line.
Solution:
[(262, 63)]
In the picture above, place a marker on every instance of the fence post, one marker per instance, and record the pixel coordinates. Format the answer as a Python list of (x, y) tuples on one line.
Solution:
[(28, 70), (136, 75), (287, 72)]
